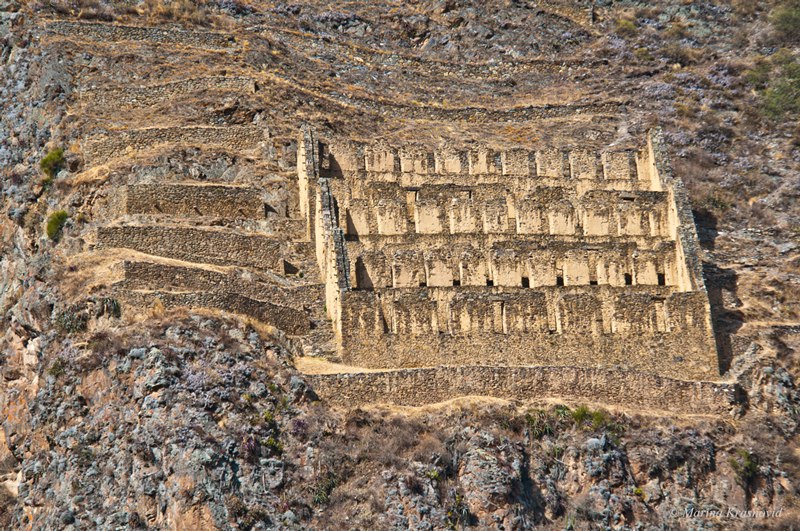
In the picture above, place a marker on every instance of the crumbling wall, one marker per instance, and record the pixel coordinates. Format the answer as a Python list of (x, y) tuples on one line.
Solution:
[(190, 200), (415, 387), (137, 97), (116, 33), (122, 143), (198, 245), (289, 320)]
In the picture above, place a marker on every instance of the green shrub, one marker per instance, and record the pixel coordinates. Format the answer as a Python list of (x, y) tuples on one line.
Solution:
[(433, 474), (52, 162), (626, 27), (109, 306), (55, 223), (785, 20), (581, 414), (274, 446), (72, 320), (323, 489), (561, 411), (600, 419), (643, 54), (539, 423), (56, 369), (777, 80), (782, 97), (745, 465)]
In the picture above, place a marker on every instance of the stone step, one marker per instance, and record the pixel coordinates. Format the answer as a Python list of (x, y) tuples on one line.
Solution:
[(225, 247), (607, 387)]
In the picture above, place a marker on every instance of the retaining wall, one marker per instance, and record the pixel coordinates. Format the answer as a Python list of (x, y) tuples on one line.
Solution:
[(123, 143), (228, 202), (148, 275), (630, 390), (116, 33), (198, 245), (136, 97), (291, 321)]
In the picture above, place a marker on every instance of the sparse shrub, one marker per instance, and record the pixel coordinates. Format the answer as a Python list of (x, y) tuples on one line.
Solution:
[(73, 320), (273, 445), (539, 424), (600, 419), (716, 202), (52, 163), (785, 20), (626, 27), (556, 451), (682, 55), (55, 223), (758, 76), (177, 10), (782, 97), (777, 80), (643, 54), (458, 516), (581, 414), (639, 493), (109, 306), (323, 489), (678, 30), (745, 464), (56, 369), (561, 411), (433, 474)]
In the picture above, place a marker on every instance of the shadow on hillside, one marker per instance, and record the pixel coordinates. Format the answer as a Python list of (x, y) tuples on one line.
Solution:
[(726, 322)]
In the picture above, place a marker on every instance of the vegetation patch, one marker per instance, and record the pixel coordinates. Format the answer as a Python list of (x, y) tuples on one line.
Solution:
[(73, 320), (785, 21), (52, 163), (55, 223), (626, 27), (777, 81), (745, 464)]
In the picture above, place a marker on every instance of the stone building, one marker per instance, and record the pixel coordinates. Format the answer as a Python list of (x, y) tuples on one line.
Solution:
[(503, 259)]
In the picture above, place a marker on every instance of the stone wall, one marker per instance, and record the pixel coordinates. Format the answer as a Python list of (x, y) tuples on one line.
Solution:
[(413, 166), (496, 209), (136, 97), (289, 320), (643, 330), (146, 275), (192, 200), (116, 33), (208, 246), (435, 261), (124, 143), (631, 390)]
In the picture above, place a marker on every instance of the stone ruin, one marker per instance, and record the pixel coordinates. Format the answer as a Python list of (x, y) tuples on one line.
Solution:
[(496, 263)]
